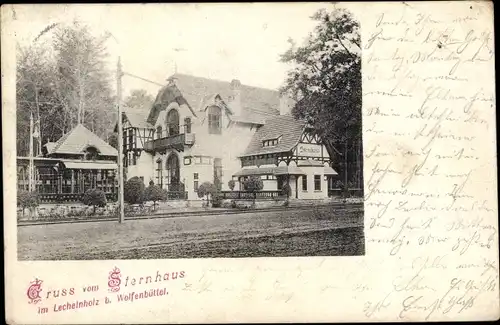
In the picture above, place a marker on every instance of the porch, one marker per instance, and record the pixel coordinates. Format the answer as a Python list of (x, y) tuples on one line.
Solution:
[(65, 181)]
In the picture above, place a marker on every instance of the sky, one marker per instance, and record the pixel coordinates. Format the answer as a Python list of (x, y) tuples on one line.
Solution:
[(219, 41)]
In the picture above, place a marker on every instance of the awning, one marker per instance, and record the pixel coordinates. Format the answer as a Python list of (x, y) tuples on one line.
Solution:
[(256, 171), (288, 170), (330, 171), (89, 165), (310, 163)]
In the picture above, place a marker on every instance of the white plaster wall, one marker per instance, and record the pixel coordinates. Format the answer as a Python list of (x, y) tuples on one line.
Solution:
[(142, 168), (311, 193)]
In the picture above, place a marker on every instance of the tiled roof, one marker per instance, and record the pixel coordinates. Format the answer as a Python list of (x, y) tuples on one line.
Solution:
[(75, 141), (256, 103), (285, 126), (137, 118)]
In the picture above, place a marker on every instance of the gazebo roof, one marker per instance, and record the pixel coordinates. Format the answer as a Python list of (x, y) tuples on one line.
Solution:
[(79, 139)]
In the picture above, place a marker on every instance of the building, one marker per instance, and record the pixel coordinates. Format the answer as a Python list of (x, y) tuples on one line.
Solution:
[(202, 130), (78, 161)]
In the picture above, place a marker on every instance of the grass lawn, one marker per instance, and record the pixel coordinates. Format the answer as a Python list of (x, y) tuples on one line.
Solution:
[(320, 231)]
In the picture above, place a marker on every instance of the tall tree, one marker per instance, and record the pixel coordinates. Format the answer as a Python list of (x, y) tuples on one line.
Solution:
[(83, 82), (63, 82), (139, 99), (325, 82)]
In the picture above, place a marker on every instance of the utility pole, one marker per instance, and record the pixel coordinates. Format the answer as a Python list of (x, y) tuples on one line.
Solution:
[(31, 168), (119, 75)]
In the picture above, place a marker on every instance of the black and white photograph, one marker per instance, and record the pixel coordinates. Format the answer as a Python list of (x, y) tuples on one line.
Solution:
[(210, 132)]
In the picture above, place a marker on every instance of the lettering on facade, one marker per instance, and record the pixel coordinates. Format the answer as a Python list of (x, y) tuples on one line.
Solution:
[(313, 150)]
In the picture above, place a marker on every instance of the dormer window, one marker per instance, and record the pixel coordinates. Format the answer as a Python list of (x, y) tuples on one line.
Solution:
[(214, 120), (271, 142), (91, 153)]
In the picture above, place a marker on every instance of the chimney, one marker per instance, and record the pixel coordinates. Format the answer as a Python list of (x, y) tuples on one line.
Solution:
[(172, 81), (235, 102), (285, 105)]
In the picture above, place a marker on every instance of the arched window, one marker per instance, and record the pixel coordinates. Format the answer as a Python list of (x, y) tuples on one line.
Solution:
[(159, 176), (172, 123), (173, 173), (91, 153), (218, 173), (158, 132), (214, 120), (187, 125)]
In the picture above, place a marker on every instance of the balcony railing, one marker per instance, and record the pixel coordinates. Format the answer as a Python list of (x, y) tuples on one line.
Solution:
[(69, 197), (172, 138)]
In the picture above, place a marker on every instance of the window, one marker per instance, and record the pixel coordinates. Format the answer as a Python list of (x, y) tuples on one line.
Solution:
[(91, 153), (187, 125), (304, 183), (159, 132), (218, 172), (317, 182), (271, 142), (159, 176), (195, 183), (130, 139), (172, 122), (214, 120)]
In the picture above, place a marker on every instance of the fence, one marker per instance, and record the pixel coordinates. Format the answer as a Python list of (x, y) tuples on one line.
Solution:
[(69, 198), (245, 195), (356, 192), (179, 195)]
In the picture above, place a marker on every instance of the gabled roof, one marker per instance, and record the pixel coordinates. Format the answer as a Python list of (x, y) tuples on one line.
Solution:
[(285, 126), (137, 118), (257, 104), (77, 140)]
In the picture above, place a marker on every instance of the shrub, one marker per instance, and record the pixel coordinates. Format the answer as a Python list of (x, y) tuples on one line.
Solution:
[(216, 200), (27, 199), (206, 189), (286, 191), (94, 197), (154, 193), (134, 191), (338, 184), (253, 184), (231, 184)]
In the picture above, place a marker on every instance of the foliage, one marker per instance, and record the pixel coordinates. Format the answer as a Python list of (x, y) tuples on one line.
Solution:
[(94, 197), (113, 140), (253, 184), (206, 189), (134, 191), (231, 184), (177, 186), (325, 82), (26, 199), (139, 99), (286, 190), (62, 79), (154, 193), (216, 200)]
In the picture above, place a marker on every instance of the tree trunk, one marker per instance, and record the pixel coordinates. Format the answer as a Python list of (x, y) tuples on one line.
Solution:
[(345, 170), (94, 209)]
